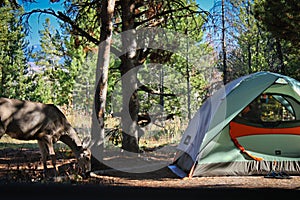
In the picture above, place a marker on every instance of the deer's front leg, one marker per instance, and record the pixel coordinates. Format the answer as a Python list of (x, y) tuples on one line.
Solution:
[(44, 154), (2, 129)]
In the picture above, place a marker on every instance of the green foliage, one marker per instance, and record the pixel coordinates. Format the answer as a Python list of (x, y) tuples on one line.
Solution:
[(183, 21), (250, 45), (53, 79), (83, 93), (281, 18), (12, 59), (186, 67)]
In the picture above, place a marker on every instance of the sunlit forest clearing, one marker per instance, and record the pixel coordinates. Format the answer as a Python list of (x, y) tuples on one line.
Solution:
[(130, 75)]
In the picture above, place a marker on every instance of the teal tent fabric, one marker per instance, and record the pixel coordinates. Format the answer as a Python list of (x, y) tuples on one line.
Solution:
[(206, 139)]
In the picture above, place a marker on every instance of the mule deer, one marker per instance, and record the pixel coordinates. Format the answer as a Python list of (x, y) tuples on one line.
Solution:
[(26, 120)]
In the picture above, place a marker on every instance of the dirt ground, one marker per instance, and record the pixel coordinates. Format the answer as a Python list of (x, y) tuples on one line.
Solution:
[(21, 168)]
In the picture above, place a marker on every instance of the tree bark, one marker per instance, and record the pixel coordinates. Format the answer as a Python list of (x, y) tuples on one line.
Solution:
[(224, 44), (280, 56), (98, 115), (130, 99), (249, 43)]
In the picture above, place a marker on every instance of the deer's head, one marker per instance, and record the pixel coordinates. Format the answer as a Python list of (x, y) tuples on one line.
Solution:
[(84, 160)]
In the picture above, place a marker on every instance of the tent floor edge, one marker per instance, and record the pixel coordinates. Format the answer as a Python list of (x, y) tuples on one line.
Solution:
[(177, 171)]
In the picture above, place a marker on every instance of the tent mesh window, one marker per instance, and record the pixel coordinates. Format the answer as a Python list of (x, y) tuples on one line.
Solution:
[(268, 108)]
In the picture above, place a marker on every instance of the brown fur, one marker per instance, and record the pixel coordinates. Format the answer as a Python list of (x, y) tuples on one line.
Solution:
[(26, 120)]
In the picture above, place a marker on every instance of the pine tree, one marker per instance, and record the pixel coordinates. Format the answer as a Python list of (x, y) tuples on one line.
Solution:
[(13, 63), (55, 81)]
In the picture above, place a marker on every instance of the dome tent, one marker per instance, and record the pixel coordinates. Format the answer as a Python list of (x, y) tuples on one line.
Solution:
[(221, 140)]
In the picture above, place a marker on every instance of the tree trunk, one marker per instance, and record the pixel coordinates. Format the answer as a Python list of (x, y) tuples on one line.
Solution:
[(130, 100), (257, 48), (249, 44), (280, 57), (98, 116), (224, 44)]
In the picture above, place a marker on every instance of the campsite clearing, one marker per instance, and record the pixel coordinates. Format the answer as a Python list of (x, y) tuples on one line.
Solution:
[(21, 171), (25, 167)]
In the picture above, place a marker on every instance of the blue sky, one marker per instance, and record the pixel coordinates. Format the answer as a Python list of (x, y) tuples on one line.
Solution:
[(36, 21), (205, 4)]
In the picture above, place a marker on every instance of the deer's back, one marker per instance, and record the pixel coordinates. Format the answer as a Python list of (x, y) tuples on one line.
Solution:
[(28, 120)]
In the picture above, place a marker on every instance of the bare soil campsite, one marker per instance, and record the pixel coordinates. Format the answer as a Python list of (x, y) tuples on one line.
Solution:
[(21, 177)]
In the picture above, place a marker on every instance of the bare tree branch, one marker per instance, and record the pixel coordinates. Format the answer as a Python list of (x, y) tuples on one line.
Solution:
[(64, 18)]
